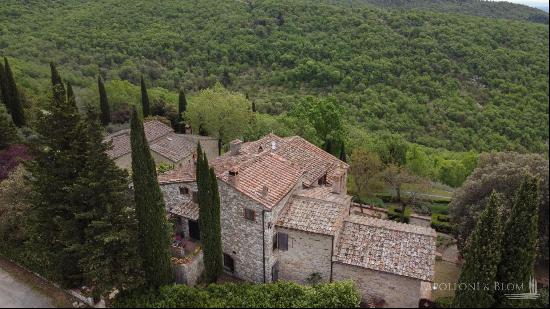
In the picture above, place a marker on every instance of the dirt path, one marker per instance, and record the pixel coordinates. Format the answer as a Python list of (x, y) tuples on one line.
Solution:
[(20, 288)]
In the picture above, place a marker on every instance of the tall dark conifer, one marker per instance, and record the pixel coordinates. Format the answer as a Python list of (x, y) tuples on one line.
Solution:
[(109, 256), (3, 87), (215, 246), (14, 104), (209, 217), (145, 106), (519, 243), (153, 230), (343, 156), (58, 89), (103, 103), (182, 107), (8, 133), (53, 231), (70, 94), (481, 258)]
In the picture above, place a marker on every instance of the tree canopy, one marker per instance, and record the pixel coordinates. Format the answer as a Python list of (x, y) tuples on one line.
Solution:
[(441, 80)]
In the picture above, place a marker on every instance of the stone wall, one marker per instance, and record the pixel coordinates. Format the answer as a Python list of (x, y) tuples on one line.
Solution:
[(307, 253), (424, 221), (189, 273), (396, 291), (242, 239), (172, 195), (270, 219)]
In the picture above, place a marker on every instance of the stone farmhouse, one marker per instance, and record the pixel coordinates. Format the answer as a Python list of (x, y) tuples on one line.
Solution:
[(166, 146), (286, 215)]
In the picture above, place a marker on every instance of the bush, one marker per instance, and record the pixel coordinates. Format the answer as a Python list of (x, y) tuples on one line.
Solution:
[(444, 302), (441, 223), (394, 213), (280, 294)]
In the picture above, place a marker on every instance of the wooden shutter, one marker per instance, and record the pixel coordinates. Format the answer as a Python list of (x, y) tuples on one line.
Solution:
[(282, 241), (249, 214)]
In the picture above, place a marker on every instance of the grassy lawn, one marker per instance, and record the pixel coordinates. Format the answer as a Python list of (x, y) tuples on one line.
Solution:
[(445, 272)]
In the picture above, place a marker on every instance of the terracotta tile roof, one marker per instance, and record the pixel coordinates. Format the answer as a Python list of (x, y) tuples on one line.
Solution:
[(265, 177), (312, 215), (388, 246), (161, 138), (313, 160), (187, 210), (121, 140), (273, 164), (183, 173), (324, 193), (174, 146)]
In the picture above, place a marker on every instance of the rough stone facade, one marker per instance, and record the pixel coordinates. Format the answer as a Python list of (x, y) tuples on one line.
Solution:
[(189, 273), (396, 291), (242, 239), (307, 253)]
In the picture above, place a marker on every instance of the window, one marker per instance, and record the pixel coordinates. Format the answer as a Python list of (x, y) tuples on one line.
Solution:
[(184, 190), (195, 197), (280, 241), (249, 214), (228, 263)]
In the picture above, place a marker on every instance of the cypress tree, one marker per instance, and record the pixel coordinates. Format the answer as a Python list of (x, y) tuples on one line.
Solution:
[(8, 133), (182, 107), (109, 256), (519, 242), (145, 106), (153, 230), (343, 157), (253, 106), (103, 103), (209, 217), (216, 253), (482, 256), (58, 88), (70, 94), (3, 87), (14, 104), (52, 227)]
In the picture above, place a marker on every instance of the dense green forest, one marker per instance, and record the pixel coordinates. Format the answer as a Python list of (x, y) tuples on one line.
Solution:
[(482, 8), (440, 80)]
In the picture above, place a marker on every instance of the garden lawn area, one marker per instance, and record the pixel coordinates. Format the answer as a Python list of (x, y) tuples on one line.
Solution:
[(445, 272)]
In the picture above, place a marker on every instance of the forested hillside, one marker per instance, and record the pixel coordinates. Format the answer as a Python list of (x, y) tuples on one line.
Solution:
[(484, 8), (441, 80)]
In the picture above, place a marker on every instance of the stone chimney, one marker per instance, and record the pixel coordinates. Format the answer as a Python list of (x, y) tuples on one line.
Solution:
[(233, 177), (235, 147), (338, 183), (187, 129)]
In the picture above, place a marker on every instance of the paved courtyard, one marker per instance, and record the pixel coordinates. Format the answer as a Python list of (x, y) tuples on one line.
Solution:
[(15, 293)]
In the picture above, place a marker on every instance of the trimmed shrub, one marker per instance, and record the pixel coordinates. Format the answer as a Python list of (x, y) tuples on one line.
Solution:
[(441, 223), (394, 213), (280, 294)]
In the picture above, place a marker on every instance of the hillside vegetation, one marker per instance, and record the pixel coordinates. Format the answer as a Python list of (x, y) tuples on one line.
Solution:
[(483, 8), (440, 80)]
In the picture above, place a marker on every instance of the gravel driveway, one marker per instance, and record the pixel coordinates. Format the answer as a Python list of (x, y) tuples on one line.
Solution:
[(15, 293)]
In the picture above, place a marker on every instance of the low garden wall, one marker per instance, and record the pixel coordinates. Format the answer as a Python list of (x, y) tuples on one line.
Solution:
[(188, 271)]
